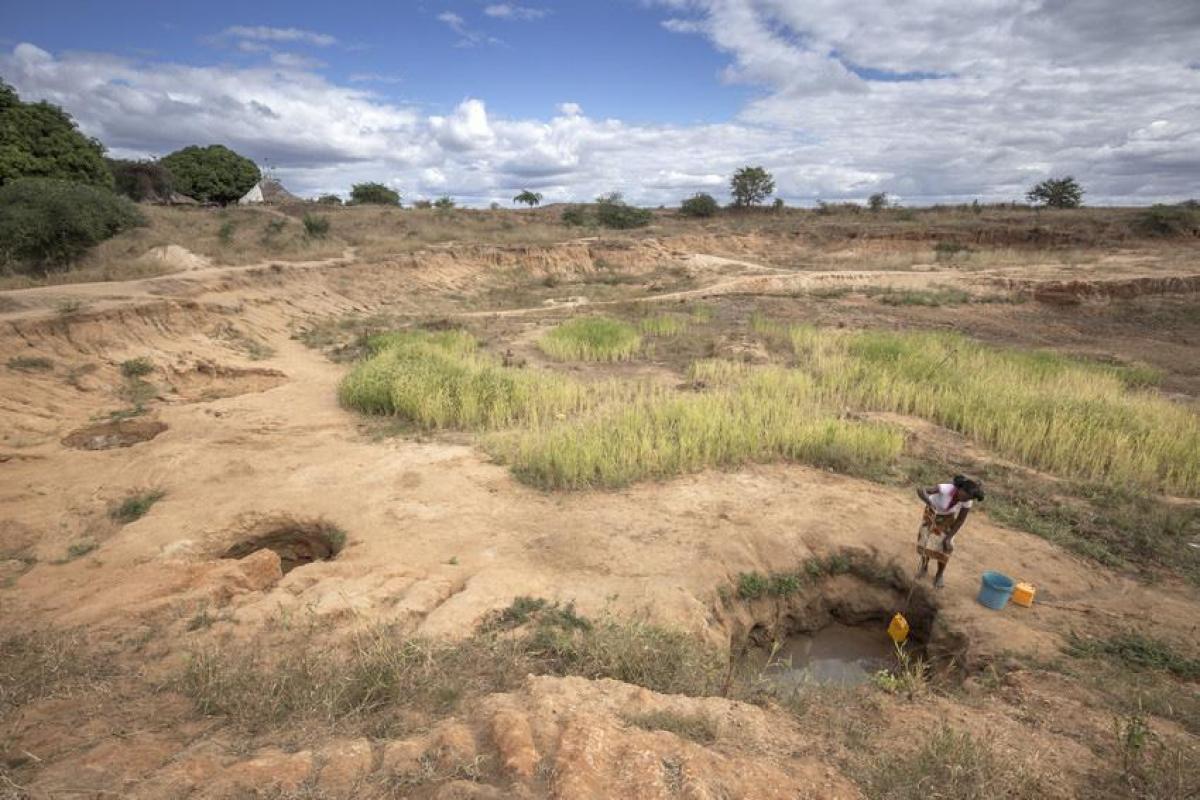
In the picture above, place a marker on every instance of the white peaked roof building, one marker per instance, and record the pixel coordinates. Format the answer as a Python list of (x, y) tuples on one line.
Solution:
[(268, 190)]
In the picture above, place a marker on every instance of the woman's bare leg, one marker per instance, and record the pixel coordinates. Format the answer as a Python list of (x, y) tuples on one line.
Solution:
[(938, 580), (924, 567)]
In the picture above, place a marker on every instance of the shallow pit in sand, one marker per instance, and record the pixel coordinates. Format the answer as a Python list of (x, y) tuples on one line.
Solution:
[(117, 433), (296, 542)]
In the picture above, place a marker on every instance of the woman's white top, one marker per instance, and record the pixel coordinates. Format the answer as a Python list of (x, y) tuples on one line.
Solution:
[(944, 502)]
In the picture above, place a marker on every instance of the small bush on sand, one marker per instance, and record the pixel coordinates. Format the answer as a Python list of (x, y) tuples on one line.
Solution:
[(136, 506), (137, 367), (48, 224), (592, 339), (316, 227)]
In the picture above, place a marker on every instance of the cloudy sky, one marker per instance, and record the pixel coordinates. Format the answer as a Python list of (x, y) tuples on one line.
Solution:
[(928, 100)]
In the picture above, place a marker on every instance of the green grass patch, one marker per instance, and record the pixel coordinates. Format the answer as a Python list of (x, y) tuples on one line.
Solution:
[(31, 364), (80, 548), (932, 298), (591, 339), (136, 506)]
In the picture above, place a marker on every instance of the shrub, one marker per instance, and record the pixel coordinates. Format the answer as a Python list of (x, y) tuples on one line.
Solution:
[(1164, 221), (591, 339), (30, 364), (574, 216), (226, 231), (136, 506), (1057, 193), (213, 174), (750, 186), (752, 585), (422, 204), (444, 203), (329, 200), (137, 367), (877, 201), (46, 224), (316, 227), (40, 140), (699, 205), (613, 212), (142, 180), (374, 194)]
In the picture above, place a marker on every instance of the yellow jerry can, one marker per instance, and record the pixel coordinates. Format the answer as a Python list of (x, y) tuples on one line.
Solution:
[(898, 629), (1023, 594)]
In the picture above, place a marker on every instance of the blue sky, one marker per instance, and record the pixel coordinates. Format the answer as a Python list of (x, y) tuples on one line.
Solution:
[(928, 100)]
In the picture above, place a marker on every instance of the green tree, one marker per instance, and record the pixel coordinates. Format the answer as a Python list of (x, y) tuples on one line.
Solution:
[(877, 201), (1057, 193), (329, 200), (141, 180), (750, 186), (213, 174), (374, 194), (40, 140), (529, 198), (46, 224), (699, 205), (444, 203)]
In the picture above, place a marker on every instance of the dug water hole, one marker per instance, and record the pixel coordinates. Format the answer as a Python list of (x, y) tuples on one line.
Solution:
[(844, 655)]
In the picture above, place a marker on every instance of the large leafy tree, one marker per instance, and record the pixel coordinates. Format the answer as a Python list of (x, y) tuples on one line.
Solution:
[(750, 186), (529, 198), (1057, 193), (374, 193), (142, 180), (40, 140), (213, 174)]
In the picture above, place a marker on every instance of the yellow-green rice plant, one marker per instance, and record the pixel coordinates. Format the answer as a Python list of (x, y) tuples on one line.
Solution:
[(591, 339), (438, 380), (770, 417), (663, 325), (1066, 415)]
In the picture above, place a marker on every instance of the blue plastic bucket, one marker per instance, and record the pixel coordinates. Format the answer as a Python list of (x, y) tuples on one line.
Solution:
[(996, 589)]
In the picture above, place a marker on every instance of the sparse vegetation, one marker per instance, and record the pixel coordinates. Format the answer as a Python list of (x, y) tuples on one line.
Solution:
[(329, 200), (47, 663), (80, 548), (592, 339), (663, 325), (30, 364), (316, 227), (695, 727), (444, 203), (136, 506), (1136, 651), (613, 212)]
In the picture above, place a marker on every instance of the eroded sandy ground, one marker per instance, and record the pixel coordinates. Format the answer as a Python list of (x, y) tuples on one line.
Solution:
[(438, 536)]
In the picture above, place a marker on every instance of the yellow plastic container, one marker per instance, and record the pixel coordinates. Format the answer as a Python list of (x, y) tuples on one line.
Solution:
[(1023, 594), (898, 629)]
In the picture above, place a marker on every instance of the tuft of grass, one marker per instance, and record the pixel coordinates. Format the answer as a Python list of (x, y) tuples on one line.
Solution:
[(315, 226), (136, 506), (696, 727), (30, 364), (68, 306), (137, 367), (47, 663), (591, 339), (752, 585), (1136, 651), (957, 766), (80, 548), (663, 325)]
